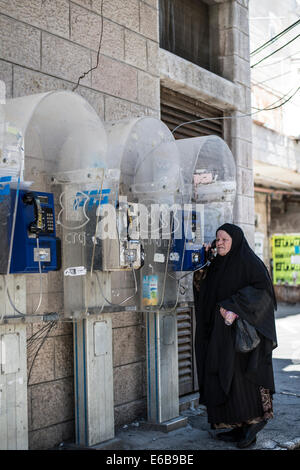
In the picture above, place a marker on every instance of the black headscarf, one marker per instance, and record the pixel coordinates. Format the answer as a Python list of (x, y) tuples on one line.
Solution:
[(240, 282)]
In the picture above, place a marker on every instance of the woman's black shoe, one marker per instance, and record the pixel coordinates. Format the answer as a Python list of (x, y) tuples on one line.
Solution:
[(250, 434), (231, 436)]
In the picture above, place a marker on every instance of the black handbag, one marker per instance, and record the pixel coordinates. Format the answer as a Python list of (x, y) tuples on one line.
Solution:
[(246, 338)]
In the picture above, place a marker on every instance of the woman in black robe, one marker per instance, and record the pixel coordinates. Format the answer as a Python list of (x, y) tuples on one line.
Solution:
[(235, 387)]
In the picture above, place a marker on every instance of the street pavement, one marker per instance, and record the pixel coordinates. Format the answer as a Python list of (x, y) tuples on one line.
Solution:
[(281, 433)]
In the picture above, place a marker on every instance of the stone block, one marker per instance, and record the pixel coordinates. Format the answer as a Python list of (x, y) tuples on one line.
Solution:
[(148, 90), (116, 109), (85, 27), (128, 345), (64, 59), (125, 319), (113, 40), (62, 328), (123, 12), (63, 356), (6, 75), (128, 383), (230, 15), (42, 369), (152, 3), (245, 183), (28, 82), (49, 15), (135, 50), (243, 98), (52, 436), (241, 126), (242, 151), (244, 210), (236, 69), (149, 22), (84, 3), (52, 403), (249, 231), (129, 412), (115, 78), (233, 41), (20, 43), (153, 57), (94, 98)]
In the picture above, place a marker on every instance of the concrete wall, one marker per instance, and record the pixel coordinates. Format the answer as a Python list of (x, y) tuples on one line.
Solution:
[(275, 149)]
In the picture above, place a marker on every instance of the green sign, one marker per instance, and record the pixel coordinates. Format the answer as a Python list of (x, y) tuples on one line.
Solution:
[(286, 259)]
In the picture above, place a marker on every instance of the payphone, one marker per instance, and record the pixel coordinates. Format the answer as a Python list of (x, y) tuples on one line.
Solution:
[(188, 253), (31, 222)]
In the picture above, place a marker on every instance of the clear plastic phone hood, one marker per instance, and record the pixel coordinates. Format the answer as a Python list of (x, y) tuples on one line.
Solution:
[(145, 152), (62, 129)]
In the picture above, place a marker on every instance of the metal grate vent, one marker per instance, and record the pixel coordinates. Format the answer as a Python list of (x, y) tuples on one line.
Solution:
[(177, 108)]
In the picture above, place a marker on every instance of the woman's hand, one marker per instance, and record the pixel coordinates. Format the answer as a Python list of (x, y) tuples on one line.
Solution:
[(223, 312), (228, 316)]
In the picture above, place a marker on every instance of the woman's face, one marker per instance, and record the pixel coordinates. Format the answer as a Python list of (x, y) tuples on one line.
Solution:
[(223, 242)]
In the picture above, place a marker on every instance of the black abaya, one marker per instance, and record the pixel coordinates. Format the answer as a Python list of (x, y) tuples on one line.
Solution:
[(230, 382)]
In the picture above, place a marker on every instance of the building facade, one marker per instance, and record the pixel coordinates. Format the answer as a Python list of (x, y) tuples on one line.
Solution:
[(122, 58), (276, 151)]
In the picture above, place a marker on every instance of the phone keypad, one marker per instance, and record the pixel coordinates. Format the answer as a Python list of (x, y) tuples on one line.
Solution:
[(49, 220)]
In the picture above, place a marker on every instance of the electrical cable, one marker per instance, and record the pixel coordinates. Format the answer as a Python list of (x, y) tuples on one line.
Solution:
[(40, 294), (278, 61), (275, 38), (123, 301), (98, 53), (273, 78), (259, 110), (48, 330), (274, 102), (281, 104), (95, 239), (274, 52)]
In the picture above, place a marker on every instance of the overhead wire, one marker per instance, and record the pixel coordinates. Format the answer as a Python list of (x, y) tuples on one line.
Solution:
[(274, 52), (273, 78), (279, 60), (275, 38), (281, 104)]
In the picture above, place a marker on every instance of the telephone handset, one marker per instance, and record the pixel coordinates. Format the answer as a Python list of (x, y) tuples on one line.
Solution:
[(37, 225), (34, 219), (43, 223)]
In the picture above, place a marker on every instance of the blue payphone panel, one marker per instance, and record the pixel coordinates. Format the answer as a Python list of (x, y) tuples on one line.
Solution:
[(188, 253), (34, 218)]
